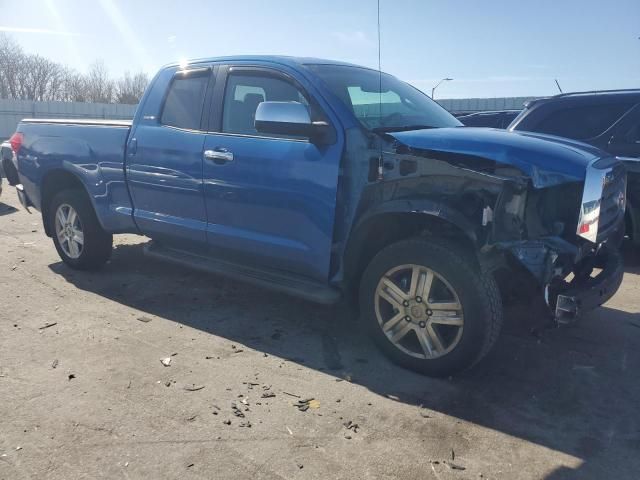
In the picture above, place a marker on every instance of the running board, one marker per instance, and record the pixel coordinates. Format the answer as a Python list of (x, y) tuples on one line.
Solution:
[(295, 286)]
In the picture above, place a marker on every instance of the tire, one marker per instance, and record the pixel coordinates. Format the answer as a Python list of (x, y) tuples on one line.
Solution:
[(97, 244), (474, 314), (10, 172)]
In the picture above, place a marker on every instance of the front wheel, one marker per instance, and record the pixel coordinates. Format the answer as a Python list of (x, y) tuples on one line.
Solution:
[(78, 237), (429, 307)]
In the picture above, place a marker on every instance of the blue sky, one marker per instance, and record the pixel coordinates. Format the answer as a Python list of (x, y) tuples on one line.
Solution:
[(491, 48)]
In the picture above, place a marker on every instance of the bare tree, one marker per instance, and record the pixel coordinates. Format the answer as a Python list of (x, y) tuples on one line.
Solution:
[(11, 66), (32, 77), (129, 89), (100, 88)]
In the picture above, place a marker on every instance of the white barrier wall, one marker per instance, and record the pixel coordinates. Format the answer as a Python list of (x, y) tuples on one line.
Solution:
[(12, 111)]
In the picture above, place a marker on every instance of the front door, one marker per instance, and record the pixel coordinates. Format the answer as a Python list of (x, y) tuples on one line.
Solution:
[(164, 165), (270, 199)]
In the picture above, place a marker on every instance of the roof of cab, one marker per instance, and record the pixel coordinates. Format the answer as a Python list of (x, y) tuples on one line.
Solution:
[(281, 59)]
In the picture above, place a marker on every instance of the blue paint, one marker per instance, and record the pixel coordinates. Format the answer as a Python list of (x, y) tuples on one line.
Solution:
[(548, 160)]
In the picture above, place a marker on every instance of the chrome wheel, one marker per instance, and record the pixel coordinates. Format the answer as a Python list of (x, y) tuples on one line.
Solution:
[(69, 231), (418, 311)]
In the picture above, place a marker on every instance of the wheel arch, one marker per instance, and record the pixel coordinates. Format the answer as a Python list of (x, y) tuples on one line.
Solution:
[(399, 219), (53, 182)]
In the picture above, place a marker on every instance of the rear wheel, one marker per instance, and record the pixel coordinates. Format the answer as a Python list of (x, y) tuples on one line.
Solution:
[(77, 235), (429, 308)]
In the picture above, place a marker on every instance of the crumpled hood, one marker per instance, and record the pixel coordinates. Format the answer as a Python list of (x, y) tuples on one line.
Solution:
[(546, 159)]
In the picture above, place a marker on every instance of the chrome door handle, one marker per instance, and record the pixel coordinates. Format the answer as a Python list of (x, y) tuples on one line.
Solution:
[(219, 155)]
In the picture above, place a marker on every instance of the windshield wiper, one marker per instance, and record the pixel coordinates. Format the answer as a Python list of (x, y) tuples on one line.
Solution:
[(401, 128)]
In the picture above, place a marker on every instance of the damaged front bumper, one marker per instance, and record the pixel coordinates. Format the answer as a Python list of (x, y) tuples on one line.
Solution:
[(575, 280), (586, 291)]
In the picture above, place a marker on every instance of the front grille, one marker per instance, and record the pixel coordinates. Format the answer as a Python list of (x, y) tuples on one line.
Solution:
[(613, 200)]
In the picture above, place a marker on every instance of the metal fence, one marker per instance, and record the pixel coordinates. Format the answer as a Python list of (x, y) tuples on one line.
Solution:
[(12, 111), (470, 105)]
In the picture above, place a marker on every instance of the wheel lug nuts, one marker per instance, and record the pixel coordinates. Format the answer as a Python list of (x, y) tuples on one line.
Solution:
[(419, 299), (405, 303), (429, 313), (423, 324), (407, 318)]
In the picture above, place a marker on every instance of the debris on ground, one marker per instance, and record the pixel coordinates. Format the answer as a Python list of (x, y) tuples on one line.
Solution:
[(166, 361), (291, 394), (71, 376), (144, 319), (227, 422), (300, 466), (54, 364), (289, 430), (454, 466), (306, 404), (246, 424), (236, 411), (268, 395), (393, 397), (47, 325), (193, 387), (351, 426), (192, 418)]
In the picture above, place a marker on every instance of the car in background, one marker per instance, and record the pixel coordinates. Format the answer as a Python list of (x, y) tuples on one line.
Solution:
[(493, 119), (609, 120)]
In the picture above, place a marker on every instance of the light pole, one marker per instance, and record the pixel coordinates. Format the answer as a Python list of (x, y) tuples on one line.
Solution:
[(433, 90)]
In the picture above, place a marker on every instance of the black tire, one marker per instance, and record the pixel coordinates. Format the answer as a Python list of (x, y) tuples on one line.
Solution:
[(10, 172), (97, 247), (476, 290)]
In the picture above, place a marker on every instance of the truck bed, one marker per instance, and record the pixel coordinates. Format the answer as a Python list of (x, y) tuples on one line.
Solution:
[(91, 151)]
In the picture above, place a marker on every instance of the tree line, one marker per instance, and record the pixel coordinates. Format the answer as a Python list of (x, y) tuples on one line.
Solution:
[(27, 76)]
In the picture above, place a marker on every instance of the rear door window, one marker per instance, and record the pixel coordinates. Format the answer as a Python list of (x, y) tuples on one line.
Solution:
[(582, 123), (185, 100)]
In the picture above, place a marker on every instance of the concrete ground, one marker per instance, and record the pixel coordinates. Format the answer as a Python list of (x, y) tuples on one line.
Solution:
[(83, 393)]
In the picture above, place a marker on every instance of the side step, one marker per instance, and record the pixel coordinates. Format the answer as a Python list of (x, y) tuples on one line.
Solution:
[(295, 286)]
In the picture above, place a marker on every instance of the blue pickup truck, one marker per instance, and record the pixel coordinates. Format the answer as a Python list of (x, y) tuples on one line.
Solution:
[(326, 180)]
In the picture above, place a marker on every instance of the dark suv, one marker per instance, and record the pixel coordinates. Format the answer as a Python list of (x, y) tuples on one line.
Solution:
[(609, 120), (493, 119)]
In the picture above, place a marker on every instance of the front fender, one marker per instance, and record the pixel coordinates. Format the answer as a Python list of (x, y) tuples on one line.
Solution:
[(363, 234)]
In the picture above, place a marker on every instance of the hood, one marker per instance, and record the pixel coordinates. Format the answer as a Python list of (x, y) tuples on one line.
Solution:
[(546, 159)]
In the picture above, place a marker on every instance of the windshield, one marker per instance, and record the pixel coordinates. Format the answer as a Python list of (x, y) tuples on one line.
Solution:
[(399, 105)]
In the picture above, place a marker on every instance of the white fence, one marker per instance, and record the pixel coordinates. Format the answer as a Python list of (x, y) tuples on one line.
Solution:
[(471, 105), (12, 111)]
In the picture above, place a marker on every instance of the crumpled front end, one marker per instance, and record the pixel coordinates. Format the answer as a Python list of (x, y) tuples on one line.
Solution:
[(573, 237)]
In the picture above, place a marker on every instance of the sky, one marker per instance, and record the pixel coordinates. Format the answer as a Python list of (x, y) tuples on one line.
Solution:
[(491, 48)]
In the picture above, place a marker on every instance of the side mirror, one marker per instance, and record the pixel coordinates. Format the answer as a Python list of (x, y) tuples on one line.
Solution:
[(288, 118)]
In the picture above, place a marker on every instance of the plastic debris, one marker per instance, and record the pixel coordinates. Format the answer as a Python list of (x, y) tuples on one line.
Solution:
[(193, 387), (166, 361)]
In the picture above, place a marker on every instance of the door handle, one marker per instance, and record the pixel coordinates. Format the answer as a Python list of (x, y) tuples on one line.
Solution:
[(219, 155)]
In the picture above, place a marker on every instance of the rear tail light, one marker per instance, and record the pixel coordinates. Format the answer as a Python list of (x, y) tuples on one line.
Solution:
[(16, 141)]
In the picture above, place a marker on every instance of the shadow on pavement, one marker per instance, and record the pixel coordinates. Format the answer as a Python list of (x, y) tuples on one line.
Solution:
[(575, 390), (6, 209)]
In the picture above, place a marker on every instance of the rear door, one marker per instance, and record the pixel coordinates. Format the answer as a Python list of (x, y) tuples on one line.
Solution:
[(270, 199), (164, 164)]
